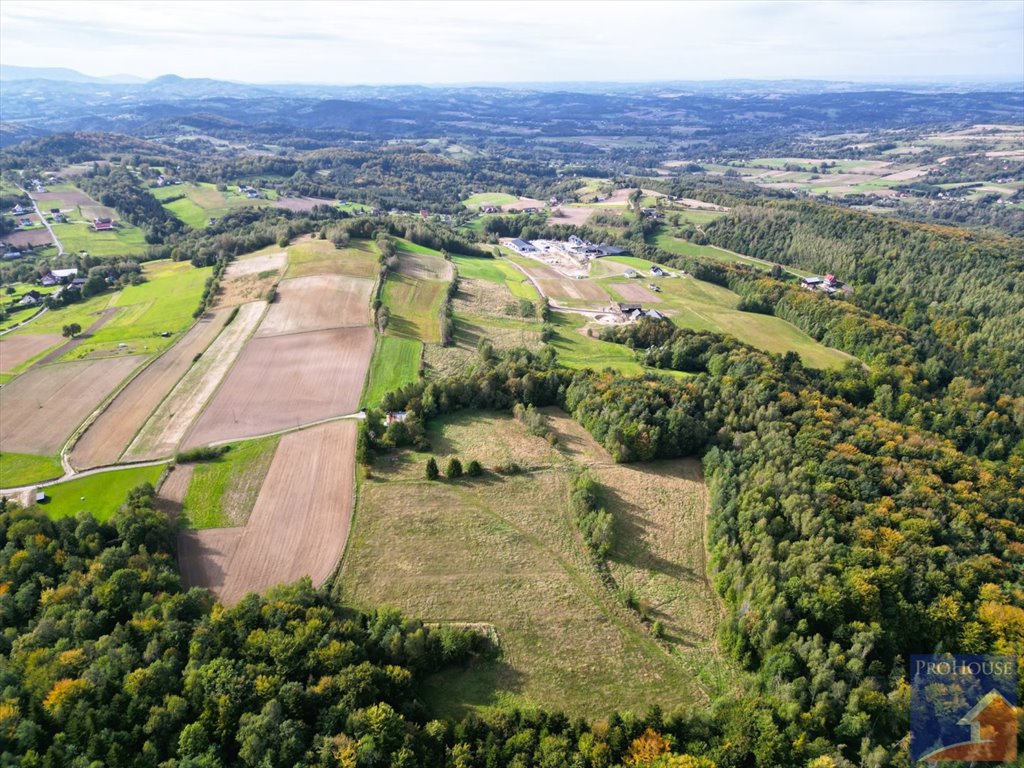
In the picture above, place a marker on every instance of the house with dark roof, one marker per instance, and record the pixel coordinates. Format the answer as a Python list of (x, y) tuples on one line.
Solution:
[(521, 246)]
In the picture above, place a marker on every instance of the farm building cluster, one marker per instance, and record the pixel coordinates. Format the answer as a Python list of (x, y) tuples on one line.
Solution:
[(575, 247), (827, 284)]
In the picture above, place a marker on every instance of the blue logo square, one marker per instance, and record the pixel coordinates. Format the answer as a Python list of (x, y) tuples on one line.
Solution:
[(963, 708)]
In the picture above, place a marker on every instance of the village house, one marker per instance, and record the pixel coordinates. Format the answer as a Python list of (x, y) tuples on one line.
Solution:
[(631, 273), (64, 275), (490, 209), (103, 225), (18, 210), (657, 271)]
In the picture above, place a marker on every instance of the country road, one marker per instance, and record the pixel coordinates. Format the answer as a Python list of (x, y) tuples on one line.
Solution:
[(45, 223)]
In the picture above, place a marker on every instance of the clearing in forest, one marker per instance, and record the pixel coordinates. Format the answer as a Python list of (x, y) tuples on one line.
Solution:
[(504, 550)]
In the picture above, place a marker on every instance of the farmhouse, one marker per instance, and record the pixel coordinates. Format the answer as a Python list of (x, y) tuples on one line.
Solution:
[(48, 280), (631, 273), (18, 210), (811, 283), (103, 225), (64, 274), (657, 271), (521, 246), (490, 209), (628, 309)]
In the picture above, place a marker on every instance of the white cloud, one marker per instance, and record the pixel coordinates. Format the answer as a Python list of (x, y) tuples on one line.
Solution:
[(408, 42)]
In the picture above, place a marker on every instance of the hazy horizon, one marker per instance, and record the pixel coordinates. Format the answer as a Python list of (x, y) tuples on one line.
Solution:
[(507, 43)]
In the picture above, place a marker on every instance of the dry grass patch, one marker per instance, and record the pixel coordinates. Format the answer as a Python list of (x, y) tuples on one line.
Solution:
[(43, 407), (250, 277), (321, 257), (635, 292), (505, 551)]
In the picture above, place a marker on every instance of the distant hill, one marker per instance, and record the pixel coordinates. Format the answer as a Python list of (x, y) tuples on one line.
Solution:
[(10, 72)]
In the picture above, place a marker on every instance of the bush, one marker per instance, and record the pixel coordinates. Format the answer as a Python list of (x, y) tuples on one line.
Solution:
[(432, 472), (508, 468), (206, 453), (474, 469), (454, 469)]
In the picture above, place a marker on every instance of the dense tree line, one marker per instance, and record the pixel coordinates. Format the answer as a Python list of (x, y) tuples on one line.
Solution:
[(117, 187), (962, 292)]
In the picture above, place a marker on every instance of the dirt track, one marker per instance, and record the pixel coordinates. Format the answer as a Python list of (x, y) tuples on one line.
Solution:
[(297, 528), (280, 382), (107, 437)]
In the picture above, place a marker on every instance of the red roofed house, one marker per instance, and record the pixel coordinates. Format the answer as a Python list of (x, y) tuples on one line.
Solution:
[(102, 225)]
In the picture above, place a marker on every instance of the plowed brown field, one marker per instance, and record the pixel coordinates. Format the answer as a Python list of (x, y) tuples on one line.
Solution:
[(42, 407), (318, 303), (107, 437), (15, 350), (280, 382)]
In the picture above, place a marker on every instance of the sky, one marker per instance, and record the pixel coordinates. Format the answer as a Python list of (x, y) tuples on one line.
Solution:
[(521, 41)]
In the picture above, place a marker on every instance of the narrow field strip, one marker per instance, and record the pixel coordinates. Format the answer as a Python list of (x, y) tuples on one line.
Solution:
[(164, 430)]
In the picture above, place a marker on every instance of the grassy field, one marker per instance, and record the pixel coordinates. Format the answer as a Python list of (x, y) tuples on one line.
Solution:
[(504, 551), (693, 216), (703, 306), (164, 303), (24, 468), (577, 350), (223, 492), (203, 202), (414, 305), (126, 240), (318, 257), (396, 362), (668, 242), (101, 494), (496, 271), (488, 198)]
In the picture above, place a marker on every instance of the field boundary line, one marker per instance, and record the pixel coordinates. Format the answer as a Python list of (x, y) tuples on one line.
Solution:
[(213, 394), (69, 446)]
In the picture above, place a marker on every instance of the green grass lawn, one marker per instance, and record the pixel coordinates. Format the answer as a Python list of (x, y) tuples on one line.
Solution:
[(101, 494), (203, 201), (575, 350), (396, 362), (24, 468), (704, 306), (488, 198), (694, 217), (126, 240), (164, 303), (223, 492), (496, 271)]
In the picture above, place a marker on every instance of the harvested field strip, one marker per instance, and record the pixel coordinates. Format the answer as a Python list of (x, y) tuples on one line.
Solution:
[(505, 551), (423, 264), (299, 524), (203, 556), (109, 435), (318, 303), (396, 362), (635, 292), (162, 433), (43, 407), (222, 492), (15, 350), (280, 382)]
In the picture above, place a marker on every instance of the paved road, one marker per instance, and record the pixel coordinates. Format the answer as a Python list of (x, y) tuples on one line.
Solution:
[(56, 240)]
